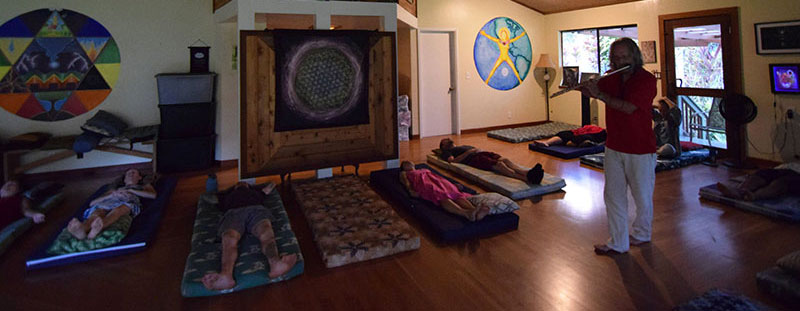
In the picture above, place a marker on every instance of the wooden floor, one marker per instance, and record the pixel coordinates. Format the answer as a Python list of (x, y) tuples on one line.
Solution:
[(547, 264)]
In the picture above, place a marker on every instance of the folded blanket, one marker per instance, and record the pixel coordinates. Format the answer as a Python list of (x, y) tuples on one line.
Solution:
[(65, 243)]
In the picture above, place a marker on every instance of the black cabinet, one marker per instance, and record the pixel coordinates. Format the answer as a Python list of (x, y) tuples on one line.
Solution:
[(188, 114)]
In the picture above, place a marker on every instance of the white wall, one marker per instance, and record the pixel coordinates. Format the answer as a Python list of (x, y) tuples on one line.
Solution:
[(153, 36), (480, 105), (755, 67)]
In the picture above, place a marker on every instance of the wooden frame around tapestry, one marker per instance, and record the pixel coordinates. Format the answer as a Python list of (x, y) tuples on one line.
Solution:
[(266, 152)]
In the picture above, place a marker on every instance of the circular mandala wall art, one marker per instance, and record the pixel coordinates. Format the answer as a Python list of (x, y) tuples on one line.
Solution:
[(55, 64), (321, 79), (502, 53)]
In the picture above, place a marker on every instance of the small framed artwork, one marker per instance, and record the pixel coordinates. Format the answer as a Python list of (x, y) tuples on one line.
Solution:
[(778, 37), (648, 51), (570, 77), (586, 76)]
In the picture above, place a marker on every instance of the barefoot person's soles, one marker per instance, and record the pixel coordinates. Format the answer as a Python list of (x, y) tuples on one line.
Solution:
[(280, 267), (75, 228), (97, 226), (216, 281)]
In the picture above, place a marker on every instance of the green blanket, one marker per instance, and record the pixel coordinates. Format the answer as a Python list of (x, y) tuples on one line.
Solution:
[(65, 243)]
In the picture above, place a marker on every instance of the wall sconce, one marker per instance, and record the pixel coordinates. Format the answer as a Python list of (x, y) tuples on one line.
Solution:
[(547, 64)]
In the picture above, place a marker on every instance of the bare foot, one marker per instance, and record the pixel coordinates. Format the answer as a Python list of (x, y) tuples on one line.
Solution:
[(216, 281), (602, 249), (635, 241), (75, 228), (97, 226), (280, 267), (540, 143), (482, 212), (728, 191)]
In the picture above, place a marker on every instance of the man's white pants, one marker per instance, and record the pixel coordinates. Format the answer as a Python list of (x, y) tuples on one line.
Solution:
[(637, 171)]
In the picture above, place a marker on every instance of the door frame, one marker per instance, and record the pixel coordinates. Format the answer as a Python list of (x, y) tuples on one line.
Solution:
[(736, 138), (452, 33)]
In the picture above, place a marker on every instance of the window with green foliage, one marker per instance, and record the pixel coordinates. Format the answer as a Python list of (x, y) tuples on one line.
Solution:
[(588, 48)]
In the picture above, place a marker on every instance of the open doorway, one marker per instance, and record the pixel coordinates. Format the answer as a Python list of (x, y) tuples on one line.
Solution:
[(701, 66)]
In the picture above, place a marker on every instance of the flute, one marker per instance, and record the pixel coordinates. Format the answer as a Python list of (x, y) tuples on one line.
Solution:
[(576, 86)]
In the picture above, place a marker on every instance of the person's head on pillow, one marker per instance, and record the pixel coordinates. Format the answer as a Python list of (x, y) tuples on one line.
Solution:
[(407, 166), (446, 144), (132, 177), (10, 188)]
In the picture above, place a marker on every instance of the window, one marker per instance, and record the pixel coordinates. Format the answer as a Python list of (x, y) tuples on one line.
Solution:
[(588, 48)]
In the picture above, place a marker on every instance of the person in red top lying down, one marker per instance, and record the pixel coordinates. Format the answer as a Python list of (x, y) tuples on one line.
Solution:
[(587, 135)]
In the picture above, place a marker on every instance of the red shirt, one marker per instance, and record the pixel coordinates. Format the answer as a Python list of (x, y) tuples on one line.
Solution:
[(587, 129), (631, 133), (10, 210)]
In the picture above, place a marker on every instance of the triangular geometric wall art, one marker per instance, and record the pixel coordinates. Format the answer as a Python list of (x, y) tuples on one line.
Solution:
[(55, 64)]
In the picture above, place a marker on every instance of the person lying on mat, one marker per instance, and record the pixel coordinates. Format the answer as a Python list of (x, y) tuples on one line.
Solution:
[(765, 183), (245, 213), (108, 208), (666, 123), (588, 135), (14, 205), (488, 161), (422, 183)]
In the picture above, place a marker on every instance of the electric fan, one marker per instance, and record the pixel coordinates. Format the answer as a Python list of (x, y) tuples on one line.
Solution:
[(738, 110)]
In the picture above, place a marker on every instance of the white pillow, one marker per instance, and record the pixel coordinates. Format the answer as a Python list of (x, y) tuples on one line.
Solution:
[(496, 202)]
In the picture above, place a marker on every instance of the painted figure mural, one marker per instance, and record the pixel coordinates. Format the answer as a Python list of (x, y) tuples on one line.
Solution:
[(502, 53), (55, 64)]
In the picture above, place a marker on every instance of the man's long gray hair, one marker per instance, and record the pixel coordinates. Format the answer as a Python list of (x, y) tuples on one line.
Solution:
[(631, 46)]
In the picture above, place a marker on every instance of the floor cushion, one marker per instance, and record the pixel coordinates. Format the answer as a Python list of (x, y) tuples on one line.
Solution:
[(529, 133), (779, 283), (685, 159), (507, 186), (350, 222), (142, 229), (785, 208), (567, 152)]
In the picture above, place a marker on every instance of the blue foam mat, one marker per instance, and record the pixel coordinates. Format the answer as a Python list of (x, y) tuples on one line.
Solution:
[(567, 152), (142, 229), (442, 225)]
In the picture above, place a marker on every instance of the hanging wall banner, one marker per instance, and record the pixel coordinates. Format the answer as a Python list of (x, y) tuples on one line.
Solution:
[(502, 53), (55, 64)]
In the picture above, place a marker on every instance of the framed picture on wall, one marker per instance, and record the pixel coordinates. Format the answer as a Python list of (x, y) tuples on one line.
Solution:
[(648, 49), (570, 76), (778, 37), (586, 76)]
